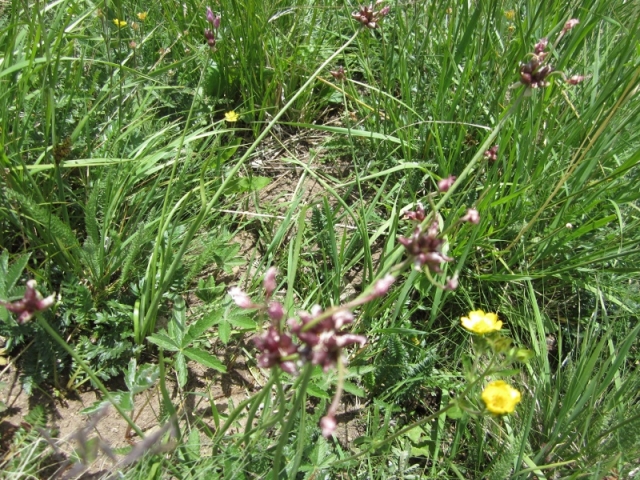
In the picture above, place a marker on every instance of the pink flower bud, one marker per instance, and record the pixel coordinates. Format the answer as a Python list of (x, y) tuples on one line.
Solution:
[(452, 283), (472, 216), (275, 311), (270, 281), (570, 24), (381, 287), (445, 184), (29, 304), (210, 16), (576, 79), (540, 46), (240, 298), (341, 318), (328, 425)]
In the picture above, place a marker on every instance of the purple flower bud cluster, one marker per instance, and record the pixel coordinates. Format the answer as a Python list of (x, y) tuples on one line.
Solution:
[(321, 338), (369, 16), (425, 248), (316, 337), (418, 215), (492, 154), (570, 24), (535, 71), (445, 184), (472, 216), (210, 34), (29, 304)]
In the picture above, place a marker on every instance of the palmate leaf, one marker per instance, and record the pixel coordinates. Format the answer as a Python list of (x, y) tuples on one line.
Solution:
[(202, 325), (164, 341), (205, 359)]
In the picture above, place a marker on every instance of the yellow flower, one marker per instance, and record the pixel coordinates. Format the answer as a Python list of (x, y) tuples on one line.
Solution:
[(500, 397), (510, 14), (119, 23), (231, 116), (480, 322), (142, 16)]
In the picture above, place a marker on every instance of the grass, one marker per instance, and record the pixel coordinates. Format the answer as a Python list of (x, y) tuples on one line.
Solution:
[(121, 173)]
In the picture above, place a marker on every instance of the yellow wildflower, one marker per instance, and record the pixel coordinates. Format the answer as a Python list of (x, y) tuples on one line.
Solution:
[(142, 16), (119, 23), (231, 116), (510, 14), (500, 397), (480, 322)]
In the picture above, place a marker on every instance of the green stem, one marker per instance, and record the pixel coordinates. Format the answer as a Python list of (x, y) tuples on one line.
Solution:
[(293, 413), (44, 324)]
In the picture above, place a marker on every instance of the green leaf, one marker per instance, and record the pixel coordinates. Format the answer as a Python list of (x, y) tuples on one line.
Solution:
[(193, 444), (242, 321), (317, 392), (224, 331), (354, 389), (163, 341), (180, 364), (14, 272), (246, 184), (178, 325), (205, 359), (202, 325)]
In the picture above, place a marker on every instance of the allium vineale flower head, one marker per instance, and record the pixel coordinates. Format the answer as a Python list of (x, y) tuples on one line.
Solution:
[(535, 71), (29, 304), (426, 248), (500, 398), (369, 16), (481, 323)]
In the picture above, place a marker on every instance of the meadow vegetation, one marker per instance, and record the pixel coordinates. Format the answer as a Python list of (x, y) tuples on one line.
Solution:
[(414, 222)]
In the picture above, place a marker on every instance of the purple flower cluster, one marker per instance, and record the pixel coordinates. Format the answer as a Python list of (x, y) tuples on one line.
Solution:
[(315, 337), (320, 335), (29, 304), (535, 71), (426, 248), (492, 154), (210, 34), (368, 16)]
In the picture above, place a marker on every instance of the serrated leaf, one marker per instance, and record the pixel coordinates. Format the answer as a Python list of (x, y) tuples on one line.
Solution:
[(14, 272), (316, 391), (193, 444), (178, 323), (130, 377), (354, 389), (163, 341), (245, 184), (224, 331), (180, 364), (205, 359), (242, 321), (202, 325), (145, 378)]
